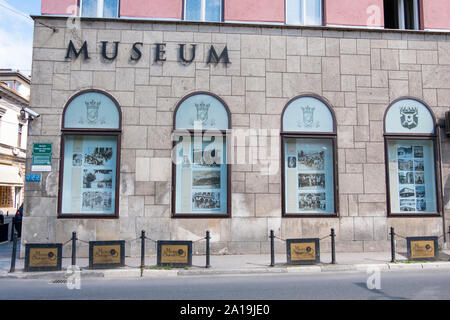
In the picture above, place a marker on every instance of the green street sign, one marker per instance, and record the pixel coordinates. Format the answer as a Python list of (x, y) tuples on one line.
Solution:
[(42, 157), (42, 148)]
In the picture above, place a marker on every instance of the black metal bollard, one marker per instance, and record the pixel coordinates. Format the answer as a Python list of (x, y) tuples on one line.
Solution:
[(272, 248), (208, 237), (74, 248), (13, 256), (392, 245), (13, 228), (333, 247), (142, 250)]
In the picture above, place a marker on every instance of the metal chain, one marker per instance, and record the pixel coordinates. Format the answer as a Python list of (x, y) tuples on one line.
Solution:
[(320, 239), (67, 242), (279, 238)]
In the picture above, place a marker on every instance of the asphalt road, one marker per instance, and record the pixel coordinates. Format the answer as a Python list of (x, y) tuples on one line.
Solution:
[(397, 285)]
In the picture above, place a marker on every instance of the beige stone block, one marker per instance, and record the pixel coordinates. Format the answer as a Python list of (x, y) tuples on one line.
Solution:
[(345, 136), (351, 183), (375, 152), (311, 64), (390, 59), (367, 209), (142, 169), (220, 85), (408, 56), (160, 169), (105, 80), (255, 46), (319, 227), (362, 133), (293, 64), (355, 155), (434, 76), (379, 79), (255, 182), (255, 102), (372, 95), (316, 46), (147, 116), (159, 137), (249, 229), (345, 229), (125, 79), (253, 67), (243, 205), (275, 65), (375, 59), (127, 184), (268, 205), (296, 46), (80, 80), (374, 178), (363, 228), (134, 137), (355, 64), (348, 46), (274, 85), (332, 47), (346, 116), (291, 228), (145, 188), (376, 131), (353, 208), (295, 84), (277, 47), (348, 83), (256, 83), (427, 57)]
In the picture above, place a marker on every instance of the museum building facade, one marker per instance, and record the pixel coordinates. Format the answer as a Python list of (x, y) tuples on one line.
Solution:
[(240, 117)]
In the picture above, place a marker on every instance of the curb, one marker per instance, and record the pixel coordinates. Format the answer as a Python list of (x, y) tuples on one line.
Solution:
[(136, 272)]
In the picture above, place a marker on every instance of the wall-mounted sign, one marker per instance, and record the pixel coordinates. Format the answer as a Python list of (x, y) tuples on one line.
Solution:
[(42, 157), (174, 253), (43, 257), (32, 177), (303, 251), (422, 248), (106, 254)]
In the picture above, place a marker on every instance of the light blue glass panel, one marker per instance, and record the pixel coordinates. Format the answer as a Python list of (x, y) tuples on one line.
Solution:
[(409, 116), (110, 9), (307, 114), (89, 184), (193, 10), (412, 178), (92, 110), (313, 12), (202, 112), (212, 10), (201, 175), (309, 176), (89, 8), (294, 12)]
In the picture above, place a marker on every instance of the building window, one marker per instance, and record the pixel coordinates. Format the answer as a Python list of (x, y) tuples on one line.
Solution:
[(411, 166), (90, 145), (6, 198), (309, 158), (203, 10), (304, 12), (401, 14), (19, 135), (100, 8), (201, 170)]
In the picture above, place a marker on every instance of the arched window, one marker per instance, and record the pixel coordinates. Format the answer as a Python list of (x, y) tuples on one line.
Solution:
[(90, 156), (200, 170), (411, 166), (308, 131)]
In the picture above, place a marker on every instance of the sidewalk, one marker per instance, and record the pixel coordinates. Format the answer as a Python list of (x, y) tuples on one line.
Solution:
[(226, 265)]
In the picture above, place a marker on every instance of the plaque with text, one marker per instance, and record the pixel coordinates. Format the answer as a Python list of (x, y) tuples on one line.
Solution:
[(422, 248), (43, 257), (302, 251), (106, 254), (175, 253)]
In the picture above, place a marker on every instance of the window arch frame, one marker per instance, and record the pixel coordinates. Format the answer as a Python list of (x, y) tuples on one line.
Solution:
[(175, 132), (387, 136), (89, 132), (309, 135)]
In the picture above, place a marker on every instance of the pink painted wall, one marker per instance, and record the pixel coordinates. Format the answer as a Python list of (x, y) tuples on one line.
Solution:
[(436, 14), (58, 7), (169, 9), (251, 10), (355, 13)]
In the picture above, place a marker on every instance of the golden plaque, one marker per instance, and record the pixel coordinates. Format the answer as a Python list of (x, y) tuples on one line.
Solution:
[(174, 253), (303, 251), (422, 249), (43, 257), (106, 254)]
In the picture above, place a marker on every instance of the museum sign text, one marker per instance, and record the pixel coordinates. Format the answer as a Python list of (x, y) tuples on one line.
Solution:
[(160, 52)]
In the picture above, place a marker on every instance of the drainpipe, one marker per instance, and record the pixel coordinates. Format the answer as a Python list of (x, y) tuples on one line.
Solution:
[(439, 126)]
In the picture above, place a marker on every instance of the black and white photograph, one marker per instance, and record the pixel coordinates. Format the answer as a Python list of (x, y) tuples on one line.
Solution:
[(420, 191), (418, 152), (98, 156), (97, 179), (312, 201), (405, 165), (206, 179), (207, 158), (406, 177), (206, 200), (407, 192), (407, 205), (77, 159), (404, 152), (292, 162), (96, 201), (311, 180), (421, 204), (311, 160), (418, 165), (419, 178)]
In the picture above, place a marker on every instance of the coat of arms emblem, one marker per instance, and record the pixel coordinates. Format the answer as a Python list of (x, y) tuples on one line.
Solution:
[(409, 117), (92, 111), (203, 114), (308, 118)]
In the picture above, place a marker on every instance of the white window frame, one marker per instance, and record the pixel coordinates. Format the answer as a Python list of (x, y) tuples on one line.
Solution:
[(202, 10), (401, 14), (100, 6), (303, 17)]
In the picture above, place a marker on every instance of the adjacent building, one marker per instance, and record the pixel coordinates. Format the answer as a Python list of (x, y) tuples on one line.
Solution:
[(240, 117)]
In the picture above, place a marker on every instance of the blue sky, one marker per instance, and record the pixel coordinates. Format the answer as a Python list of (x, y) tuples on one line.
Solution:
[(16, 33)]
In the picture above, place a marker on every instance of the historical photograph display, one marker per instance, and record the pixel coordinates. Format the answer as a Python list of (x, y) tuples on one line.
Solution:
[(411, 178), (206, 200), (206, 179), (96, 201), (310, 163), (97, 178)]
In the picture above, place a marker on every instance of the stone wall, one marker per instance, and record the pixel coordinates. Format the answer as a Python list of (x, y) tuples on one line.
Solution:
[(358, 72)]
